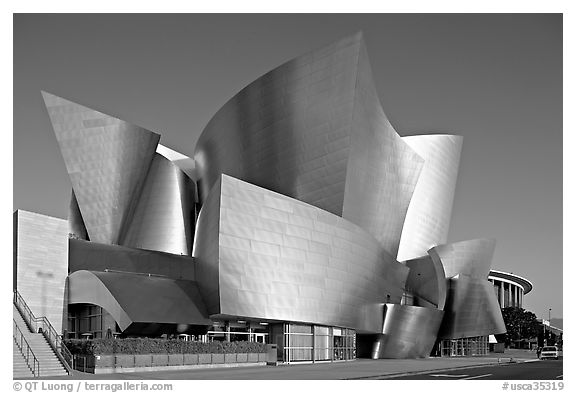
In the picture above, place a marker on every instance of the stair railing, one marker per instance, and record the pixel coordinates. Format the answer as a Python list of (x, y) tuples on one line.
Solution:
[(43, 325), (26, 351)]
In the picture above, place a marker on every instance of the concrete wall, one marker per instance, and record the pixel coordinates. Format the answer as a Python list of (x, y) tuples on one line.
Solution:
[(41, 249)]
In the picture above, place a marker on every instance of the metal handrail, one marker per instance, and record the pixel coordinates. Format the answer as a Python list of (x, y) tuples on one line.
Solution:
[(48, 331), (22, 344)]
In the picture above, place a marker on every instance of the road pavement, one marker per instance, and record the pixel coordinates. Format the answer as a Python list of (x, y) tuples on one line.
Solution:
[(536, 370)]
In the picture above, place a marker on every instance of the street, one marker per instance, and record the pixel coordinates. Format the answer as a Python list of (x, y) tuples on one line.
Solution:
[(534, 370)]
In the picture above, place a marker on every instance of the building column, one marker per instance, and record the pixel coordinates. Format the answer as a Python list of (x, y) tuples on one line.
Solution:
[(501, 294)]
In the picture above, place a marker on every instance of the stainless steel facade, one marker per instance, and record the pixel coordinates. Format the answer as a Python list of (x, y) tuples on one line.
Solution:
[(469, 257), (408, 332), (426, 282), (282, 259), (107, 161), (76, 226), (163, 218), (382, 169), (134, 298), (428, 217), (84, 255), (307, 194), (313, 129), (471, 307), (471, 310)]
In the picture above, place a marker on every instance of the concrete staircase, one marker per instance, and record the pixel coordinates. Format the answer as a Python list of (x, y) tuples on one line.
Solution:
[(50, 364), (19, 367)]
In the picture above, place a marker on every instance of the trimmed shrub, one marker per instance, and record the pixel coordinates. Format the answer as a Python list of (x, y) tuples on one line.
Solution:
[(136, 346)]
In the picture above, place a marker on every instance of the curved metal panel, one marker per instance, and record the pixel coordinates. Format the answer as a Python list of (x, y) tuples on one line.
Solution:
[(107, 160), (313, 129), (85, 287), (163, 217), (83, 255), (471, 310), (427, 281), (206, 250), (469, 257), (76, 225), (282, 259), (136, 298), (185, 163), (382, 169), (289, 130), (428, 217), (408, 332)]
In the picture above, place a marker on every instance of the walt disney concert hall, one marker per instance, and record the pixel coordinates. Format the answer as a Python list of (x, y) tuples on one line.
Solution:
[(303, 219)]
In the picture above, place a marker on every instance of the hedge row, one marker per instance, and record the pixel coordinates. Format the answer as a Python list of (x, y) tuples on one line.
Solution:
[(135, 346)]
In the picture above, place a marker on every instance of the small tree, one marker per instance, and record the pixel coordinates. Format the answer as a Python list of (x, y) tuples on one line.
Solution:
[(520, 324)]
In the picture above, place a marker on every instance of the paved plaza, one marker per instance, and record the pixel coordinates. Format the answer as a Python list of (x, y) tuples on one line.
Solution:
[(357, 369)]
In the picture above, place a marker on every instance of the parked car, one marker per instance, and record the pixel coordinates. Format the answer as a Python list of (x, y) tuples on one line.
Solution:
[(549, 353)]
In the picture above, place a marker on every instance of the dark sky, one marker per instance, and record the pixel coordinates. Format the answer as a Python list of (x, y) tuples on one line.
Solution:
[(494, 79)]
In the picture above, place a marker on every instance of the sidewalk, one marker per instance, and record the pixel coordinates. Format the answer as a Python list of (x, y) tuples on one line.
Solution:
[(357, 369)]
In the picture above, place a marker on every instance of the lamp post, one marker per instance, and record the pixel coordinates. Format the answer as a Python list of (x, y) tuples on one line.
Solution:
[(550, 322)]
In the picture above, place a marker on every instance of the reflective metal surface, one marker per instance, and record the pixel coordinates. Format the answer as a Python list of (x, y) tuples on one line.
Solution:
[(289, 130), (428, 217), (138, 298), (185, 163), (85, 255), (313, 129), (163, 217), (76, 225), (471, 309), (382, 169), (107, 160), (408, 332), (427, 282), (282, 259), (469, 257)]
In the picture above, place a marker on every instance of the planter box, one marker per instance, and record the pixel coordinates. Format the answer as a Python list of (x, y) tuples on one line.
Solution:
[(190, 358), (229, 358), (142, 360), (175, 359), (252, 358), (104, 360), (124, 360), (242, 358), (115, 363), (159, 360)]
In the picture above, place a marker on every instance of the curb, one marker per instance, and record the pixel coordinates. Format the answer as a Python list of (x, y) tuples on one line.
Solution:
[(421, 372)]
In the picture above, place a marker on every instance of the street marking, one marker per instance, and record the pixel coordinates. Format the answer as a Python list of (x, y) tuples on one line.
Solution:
[(478, 376), (560, 376), (448, 375)]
